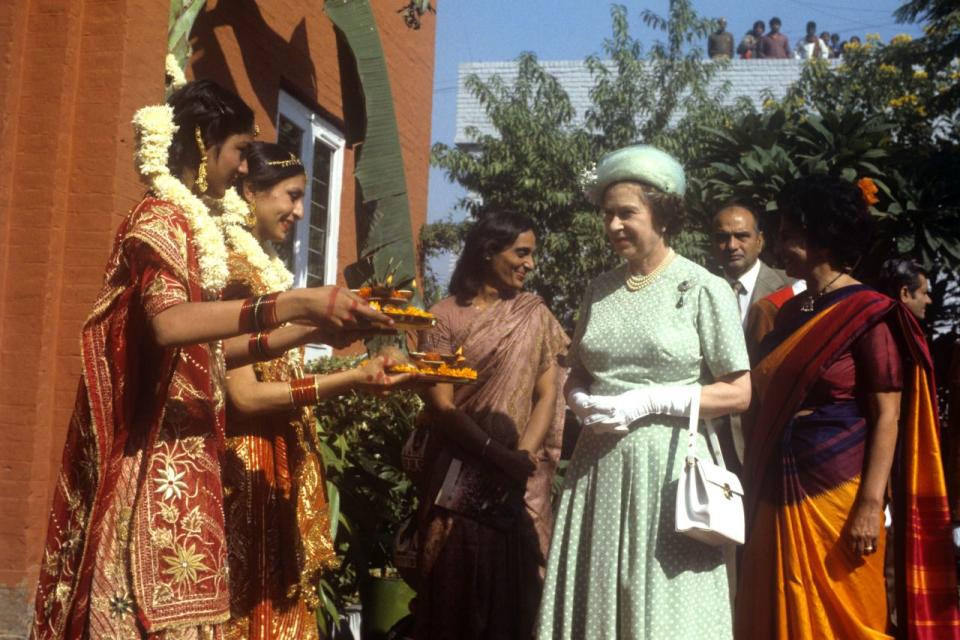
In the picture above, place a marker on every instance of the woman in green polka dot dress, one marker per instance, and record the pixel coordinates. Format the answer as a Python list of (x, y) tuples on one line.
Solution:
[(651, 333)]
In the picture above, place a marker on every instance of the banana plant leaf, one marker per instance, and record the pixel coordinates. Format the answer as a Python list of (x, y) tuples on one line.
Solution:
[(183, 13), (380, 167)]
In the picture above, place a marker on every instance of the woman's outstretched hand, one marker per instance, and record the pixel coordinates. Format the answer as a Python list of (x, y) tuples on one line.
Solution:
[(337, 309), (373, 376)]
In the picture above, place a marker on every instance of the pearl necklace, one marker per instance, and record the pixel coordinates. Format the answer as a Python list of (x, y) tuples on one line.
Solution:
[(639, 281)]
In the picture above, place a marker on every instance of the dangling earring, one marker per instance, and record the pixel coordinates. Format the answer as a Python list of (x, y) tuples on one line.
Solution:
[(251, 220), (201, 181)]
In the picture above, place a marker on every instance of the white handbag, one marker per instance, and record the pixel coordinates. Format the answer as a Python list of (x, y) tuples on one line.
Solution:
[(709, 497)]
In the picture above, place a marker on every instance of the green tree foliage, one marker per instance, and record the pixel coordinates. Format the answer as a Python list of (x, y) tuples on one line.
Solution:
[(894, 99), (534, 161)]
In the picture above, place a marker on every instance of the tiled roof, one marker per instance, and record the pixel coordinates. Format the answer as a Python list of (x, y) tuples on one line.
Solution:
[(748, 78)]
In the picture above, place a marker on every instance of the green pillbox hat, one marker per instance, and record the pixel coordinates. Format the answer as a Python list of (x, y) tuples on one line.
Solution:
[(638, 163)]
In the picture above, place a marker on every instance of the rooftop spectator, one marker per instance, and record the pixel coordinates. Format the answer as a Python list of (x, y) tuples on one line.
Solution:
[(774, 44), (812, 46), (835, 45), (825, 39), (750, 45), (720, 43)]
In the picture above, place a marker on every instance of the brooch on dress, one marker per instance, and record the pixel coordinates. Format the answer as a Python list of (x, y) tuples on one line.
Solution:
[(683, 287)]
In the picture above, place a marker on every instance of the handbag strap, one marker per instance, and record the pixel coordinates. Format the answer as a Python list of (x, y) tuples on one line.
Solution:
[(712, 440)]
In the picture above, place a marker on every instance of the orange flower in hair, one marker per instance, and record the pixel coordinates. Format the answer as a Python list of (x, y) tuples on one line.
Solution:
[(869, 190)]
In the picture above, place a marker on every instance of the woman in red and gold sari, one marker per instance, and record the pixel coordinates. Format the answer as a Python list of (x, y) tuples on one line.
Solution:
[(135, 545), (275, 503), (845, 393), (482, 557)]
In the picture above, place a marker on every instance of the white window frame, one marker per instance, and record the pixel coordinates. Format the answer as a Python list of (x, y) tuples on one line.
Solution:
[(315, 131)]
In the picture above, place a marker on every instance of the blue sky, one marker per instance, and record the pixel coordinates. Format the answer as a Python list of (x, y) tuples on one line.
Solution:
[(491, 30)]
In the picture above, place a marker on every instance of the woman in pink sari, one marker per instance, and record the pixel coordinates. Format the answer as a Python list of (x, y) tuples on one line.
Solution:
[(482, 554)]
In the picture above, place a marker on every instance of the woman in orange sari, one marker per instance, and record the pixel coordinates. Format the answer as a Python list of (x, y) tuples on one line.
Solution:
[(845, 394), (275, 503)]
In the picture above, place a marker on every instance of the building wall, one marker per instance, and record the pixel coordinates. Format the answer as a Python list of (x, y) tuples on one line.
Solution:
[(257, 49), (72, 72)]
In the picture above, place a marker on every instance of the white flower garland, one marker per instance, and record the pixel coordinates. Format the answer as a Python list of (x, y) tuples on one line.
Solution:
[(174, 72), (155, 127), (262, 257)]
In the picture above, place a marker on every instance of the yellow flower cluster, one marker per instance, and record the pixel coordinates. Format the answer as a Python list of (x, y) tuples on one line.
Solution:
[(920, 74), (901, 38), (905, 100), (888, 69), (909, 100), (873, 37)]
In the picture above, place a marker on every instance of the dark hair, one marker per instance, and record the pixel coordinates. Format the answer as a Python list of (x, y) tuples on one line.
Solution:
[(775, 21), (811, 27), (267, 165), (832, 213), (493, 233), (744, 203), (219, 112), (761, 24), (897, 273)]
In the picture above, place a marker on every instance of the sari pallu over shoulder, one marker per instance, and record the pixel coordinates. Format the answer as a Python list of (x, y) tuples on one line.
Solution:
[(510, 346), (177, 427), (927, 596)]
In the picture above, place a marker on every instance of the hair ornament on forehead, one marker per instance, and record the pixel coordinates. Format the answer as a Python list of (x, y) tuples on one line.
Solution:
[(292, 161), (638, 163)]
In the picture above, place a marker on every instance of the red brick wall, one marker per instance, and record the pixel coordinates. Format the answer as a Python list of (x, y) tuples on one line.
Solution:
[(72, 72)]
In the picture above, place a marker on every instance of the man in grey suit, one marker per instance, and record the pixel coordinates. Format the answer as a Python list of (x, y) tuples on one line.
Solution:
[(737, 243)]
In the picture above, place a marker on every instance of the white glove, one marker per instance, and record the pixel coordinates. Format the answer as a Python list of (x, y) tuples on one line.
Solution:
[(622, 410), (583, 405), (956, 539)]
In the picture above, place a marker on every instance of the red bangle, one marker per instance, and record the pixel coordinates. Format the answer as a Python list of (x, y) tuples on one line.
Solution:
[(248, 321), (267, 312), (304, 392), (258, 347), (259, 314)]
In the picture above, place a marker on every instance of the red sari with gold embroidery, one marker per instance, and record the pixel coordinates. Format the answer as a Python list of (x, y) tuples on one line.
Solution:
[(278, 527), (135, 544)]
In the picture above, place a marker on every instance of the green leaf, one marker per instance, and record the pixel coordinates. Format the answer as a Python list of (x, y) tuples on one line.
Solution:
[(380, 167), (183, 13)]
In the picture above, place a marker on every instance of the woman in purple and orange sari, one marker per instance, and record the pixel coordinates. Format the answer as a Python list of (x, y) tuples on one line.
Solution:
[(482, 560), (845, 395)]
